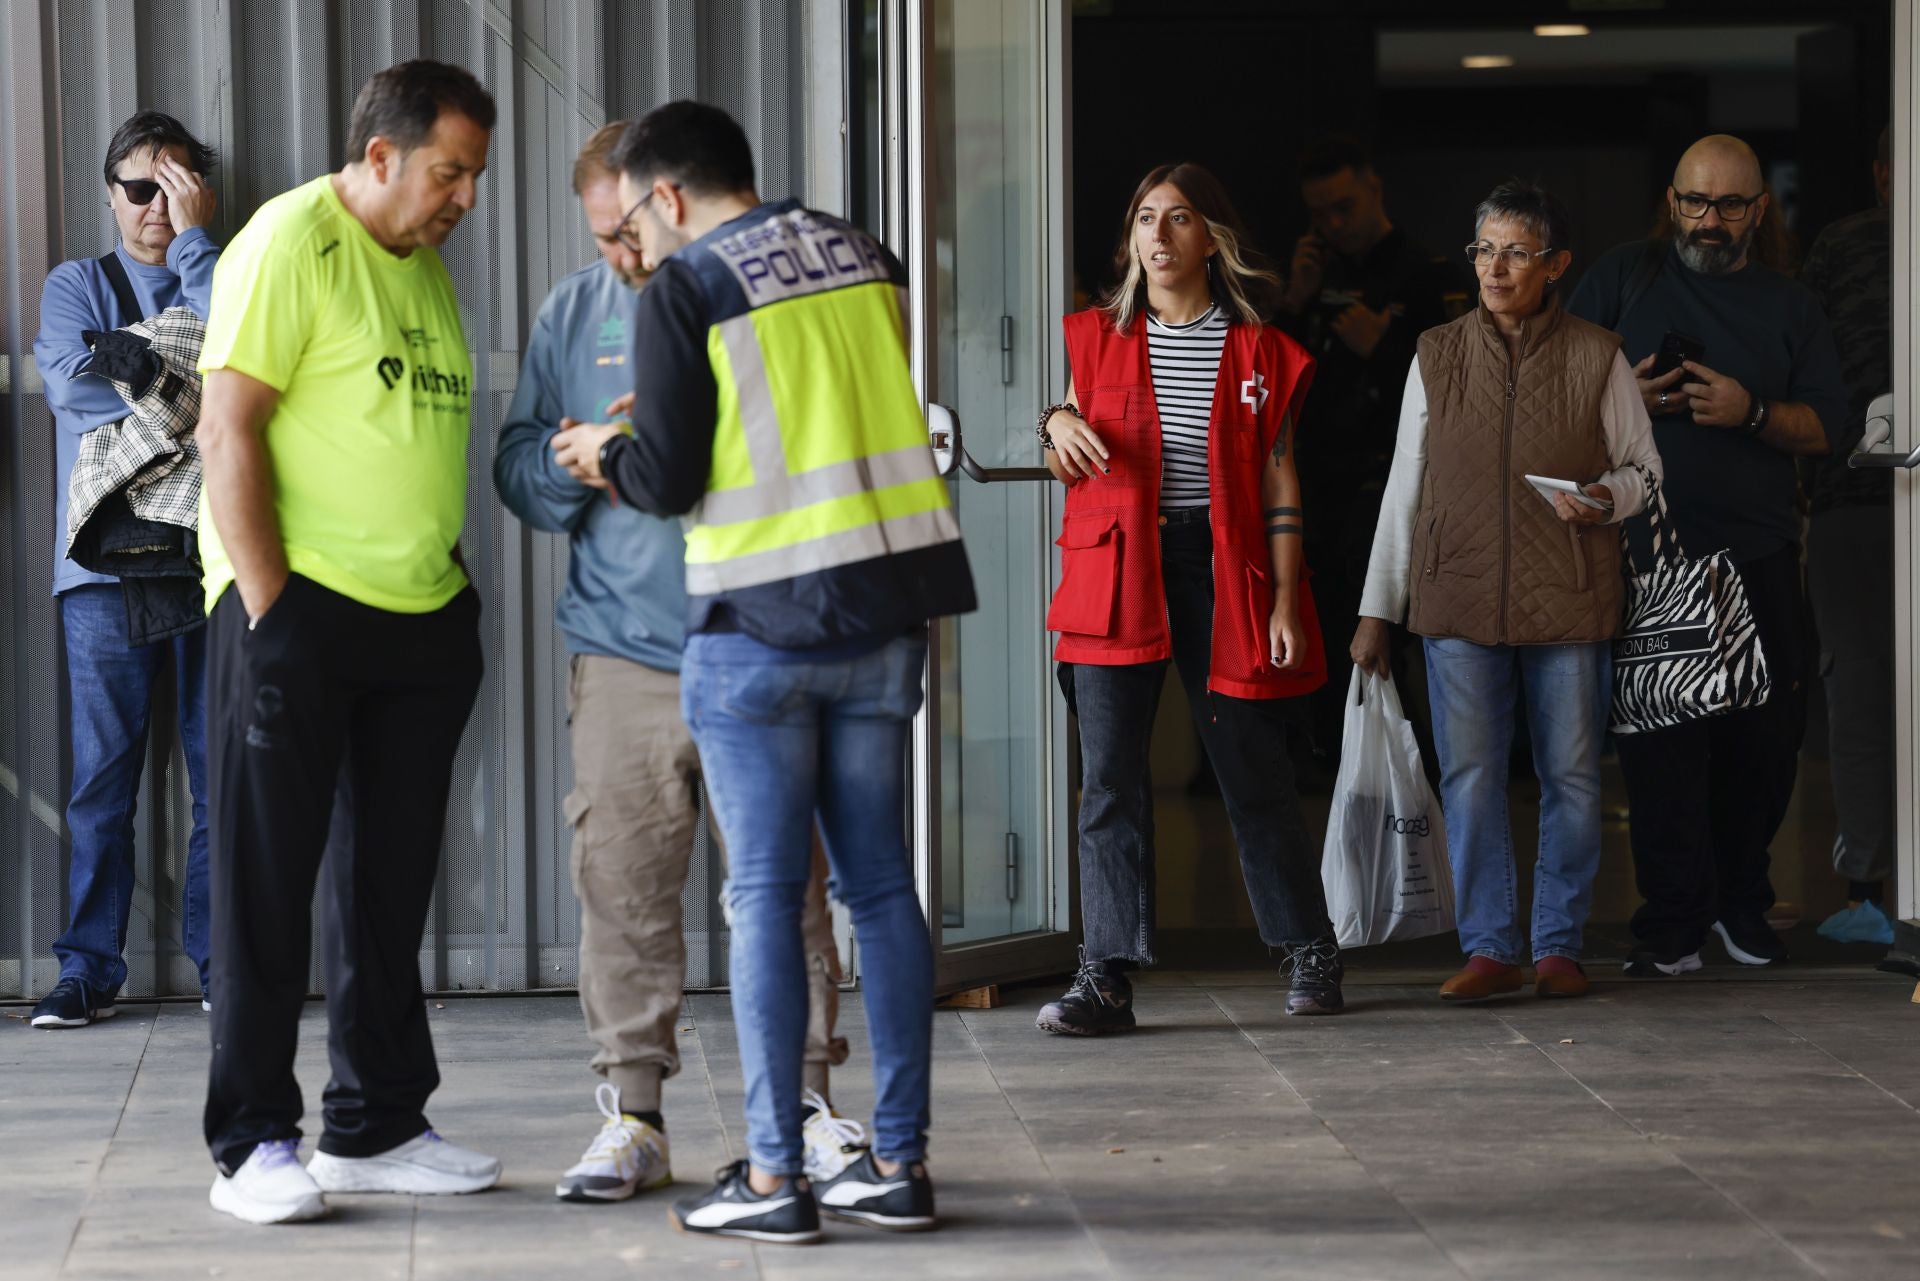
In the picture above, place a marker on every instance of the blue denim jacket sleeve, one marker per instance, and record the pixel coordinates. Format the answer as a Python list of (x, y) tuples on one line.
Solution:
[(529, 482)]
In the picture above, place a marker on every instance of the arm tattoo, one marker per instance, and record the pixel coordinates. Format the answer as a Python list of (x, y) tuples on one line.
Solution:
[(1281, 442), (1272, 530), (1271, 512)]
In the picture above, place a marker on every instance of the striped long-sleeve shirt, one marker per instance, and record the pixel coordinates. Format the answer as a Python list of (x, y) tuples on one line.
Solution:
[(1185, 360)]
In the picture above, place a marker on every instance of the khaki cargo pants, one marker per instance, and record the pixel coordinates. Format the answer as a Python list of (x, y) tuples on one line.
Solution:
[(634, 810)]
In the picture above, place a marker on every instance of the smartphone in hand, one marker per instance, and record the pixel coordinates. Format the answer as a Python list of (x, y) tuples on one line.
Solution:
[(1676, 348)]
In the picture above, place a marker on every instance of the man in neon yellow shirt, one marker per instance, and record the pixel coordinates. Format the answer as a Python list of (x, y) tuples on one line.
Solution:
[(343, 644)]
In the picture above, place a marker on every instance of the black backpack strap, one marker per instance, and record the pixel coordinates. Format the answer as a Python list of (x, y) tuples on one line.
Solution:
[(1646, 269), (122, 289)]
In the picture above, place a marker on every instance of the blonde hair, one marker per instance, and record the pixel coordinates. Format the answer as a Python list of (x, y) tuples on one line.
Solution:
[(1237, 277), (595, 158)]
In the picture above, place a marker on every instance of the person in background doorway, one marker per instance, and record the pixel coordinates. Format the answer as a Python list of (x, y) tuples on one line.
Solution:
[(1182, 541), (774, 406), (344, 645), (1359, 294), (1850, 563), (1708, 796), (635, 805), (156, 175), (1518, 601)]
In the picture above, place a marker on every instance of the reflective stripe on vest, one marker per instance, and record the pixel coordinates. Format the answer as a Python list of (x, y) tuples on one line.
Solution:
[(780, 504)]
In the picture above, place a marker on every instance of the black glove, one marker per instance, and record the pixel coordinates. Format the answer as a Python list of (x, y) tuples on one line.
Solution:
[(124, 357)]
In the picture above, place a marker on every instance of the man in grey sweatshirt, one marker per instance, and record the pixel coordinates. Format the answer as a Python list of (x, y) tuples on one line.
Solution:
[(636, 801)]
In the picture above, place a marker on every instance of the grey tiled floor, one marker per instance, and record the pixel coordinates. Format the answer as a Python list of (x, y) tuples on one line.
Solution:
[(1737, 1129)]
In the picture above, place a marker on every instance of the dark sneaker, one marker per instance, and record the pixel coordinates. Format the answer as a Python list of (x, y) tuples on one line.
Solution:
[(731, 1208), (899, 1202), (1314, 971), (1645, 963), (1750, 942), (72, 1004), (1100, 1000)]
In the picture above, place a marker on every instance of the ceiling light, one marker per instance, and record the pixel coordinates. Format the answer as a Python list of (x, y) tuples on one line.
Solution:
[(1562, 29), (1486, 61)]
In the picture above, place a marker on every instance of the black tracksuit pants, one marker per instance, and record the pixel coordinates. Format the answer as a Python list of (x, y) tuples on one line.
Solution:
[(334, 715)]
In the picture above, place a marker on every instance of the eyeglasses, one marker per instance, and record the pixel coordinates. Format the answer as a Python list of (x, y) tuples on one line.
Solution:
[(1517, 259), (140, 191), (1732, 208), (624, 232)]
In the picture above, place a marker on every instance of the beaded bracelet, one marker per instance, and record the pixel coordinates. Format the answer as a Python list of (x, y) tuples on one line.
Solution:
[(1040, 427)]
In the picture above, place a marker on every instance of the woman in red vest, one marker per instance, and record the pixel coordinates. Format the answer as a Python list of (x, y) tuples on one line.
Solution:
[(1182, 540)]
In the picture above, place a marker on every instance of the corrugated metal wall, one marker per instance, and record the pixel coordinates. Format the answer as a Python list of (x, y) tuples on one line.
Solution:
[(269, 84)]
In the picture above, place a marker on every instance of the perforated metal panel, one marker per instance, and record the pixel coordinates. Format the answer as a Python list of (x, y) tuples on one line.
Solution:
[(269, 83)]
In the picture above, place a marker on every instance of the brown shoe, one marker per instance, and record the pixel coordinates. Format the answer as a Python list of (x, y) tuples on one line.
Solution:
[(1483, 977), (1558, 976)]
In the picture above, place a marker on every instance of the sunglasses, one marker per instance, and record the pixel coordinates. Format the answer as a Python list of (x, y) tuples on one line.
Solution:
[(140, 191)]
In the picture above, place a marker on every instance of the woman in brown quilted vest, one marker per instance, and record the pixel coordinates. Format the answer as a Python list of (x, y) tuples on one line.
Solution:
[(1517, 596)]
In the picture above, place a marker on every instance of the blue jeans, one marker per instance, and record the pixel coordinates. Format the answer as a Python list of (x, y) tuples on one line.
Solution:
[(1568, 692), (110, 690), (785, 740)]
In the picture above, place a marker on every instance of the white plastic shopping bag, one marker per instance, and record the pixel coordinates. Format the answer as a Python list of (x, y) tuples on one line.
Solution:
[(1385, 863)]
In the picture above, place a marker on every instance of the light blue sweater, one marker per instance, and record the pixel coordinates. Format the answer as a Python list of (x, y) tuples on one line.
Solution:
[(78, 297), (626, 577)]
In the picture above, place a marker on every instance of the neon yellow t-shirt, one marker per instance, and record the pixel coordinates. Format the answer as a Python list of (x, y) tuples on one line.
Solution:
[(368, 443)]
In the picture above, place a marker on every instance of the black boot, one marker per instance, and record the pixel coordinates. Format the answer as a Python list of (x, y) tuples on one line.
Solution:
[(1314, 971), (1100, 1001)]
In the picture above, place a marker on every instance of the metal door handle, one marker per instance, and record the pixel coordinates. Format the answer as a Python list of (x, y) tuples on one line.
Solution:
[(1863, 462), (950, 452)]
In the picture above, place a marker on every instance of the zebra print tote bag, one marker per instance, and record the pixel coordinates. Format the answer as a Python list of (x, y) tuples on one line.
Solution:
[(1690, 648)]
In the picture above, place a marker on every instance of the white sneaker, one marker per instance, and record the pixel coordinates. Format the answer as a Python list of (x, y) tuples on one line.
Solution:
[(627, 1156), (270, 1187), (832, 1141), (424, 1166)]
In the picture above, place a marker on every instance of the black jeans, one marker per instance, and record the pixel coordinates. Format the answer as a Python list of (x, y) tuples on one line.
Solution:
[(1707, 797), (1246, 742), (330, 715)]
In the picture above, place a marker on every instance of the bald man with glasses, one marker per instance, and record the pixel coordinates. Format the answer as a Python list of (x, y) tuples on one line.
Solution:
[(1764, 390)]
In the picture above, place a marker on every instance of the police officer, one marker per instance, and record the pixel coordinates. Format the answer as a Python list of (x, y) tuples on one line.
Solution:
[(775, 404)]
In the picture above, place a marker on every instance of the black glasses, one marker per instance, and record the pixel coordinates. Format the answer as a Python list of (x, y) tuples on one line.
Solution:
[(1517, 259), (140, 191), (1732, 208), (624, 232)]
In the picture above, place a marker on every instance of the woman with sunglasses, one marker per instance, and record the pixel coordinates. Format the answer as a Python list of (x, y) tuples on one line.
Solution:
[(1182, 540), (1518, 598)]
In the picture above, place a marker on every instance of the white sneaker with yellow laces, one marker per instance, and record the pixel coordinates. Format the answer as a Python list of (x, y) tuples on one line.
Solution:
[(625, 1157), (832, 1141)]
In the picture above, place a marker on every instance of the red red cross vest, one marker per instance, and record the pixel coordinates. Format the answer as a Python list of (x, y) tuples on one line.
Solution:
[(1110, 608)]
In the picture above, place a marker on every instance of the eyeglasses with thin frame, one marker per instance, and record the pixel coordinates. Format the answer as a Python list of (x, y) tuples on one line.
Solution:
[(624, 232), (1518, 259), (1731, 208), (140, 191)]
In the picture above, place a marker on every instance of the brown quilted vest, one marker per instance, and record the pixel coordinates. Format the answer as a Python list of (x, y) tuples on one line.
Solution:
[(1492, 563)]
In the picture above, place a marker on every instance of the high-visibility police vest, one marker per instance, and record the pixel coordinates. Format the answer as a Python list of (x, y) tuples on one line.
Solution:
[(823, 488)]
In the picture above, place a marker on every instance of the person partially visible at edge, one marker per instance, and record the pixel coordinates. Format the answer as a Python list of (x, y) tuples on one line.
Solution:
[(774, 406), (1182, 541), (1850, 563), (1708, 796), (635, 805), (344, 644), (1359, 293), (156, 175), (1511, 596)]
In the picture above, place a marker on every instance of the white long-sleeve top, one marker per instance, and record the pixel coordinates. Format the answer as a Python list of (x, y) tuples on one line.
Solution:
[(1629, 436)]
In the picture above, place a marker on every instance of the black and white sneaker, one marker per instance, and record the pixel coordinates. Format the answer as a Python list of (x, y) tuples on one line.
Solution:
[(1750, 942), (1645, 963), (72, 1004), (731, 1208), (899, 1202), (1314, 971), (1099, 1001)]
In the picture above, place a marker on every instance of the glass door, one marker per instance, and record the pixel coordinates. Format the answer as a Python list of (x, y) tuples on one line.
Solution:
[(978, 195)]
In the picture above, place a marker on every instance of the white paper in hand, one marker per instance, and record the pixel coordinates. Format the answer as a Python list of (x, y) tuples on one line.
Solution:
[(1547, 487)]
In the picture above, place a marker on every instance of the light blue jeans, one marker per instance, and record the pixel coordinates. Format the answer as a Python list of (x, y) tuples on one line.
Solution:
[(784, 739), (1568, 691)]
